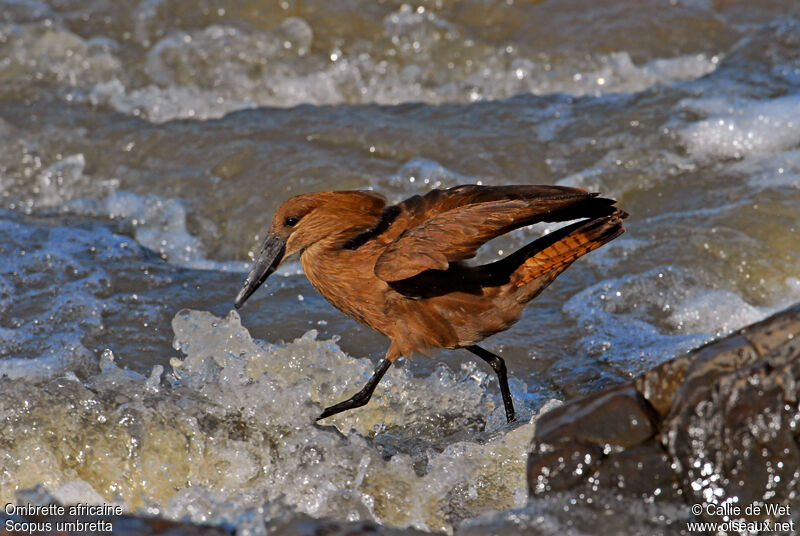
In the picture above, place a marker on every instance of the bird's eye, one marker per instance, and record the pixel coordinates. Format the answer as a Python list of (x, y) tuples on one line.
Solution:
[(291, 221)]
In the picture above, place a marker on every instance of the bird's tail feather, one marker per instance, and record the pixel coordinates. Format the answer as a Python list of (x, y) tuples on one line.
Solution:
[(550, 255)]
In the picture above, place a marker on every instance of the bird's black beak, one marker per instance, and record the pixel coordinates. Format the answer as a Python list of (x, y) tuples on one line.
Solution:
[(268, 260)]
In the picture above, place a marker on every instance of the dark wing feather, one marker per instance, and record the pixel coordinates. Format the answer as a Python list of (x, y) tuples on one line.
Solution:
[(419, 208), (396, 219), (444, 236)]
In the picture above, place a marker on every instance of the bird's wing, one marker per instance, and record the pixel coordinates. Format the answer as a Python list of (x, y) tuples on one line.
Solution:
[(419, 208), (450, 225)]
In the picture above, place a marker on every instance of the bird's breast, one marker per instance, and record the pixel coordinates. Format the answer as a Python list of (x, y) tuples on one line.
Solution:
[(346, 279)]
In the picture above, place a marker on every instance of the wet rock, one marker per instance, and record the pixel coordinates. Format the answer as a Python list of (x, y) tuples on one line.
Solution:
[(616, 416), (717, 425)]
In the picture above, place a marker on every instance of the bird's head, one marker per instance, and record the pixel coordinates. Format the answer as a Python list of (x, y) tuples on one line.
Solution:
[(304, 220)]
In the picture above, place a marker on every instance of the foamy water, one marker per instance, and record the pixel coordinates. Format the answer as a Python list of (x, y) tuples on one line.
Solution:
[(232, 427), (145, 146)]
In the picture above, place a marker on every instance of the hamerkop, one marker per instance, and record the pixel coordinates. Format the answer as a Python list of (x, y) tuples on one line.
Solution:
[(398, 269)]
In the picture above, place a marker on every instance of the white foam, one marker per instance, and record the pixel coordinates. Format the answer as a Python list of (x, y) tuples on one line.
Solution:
[(362, 80), (62, 176), (77, 491), (640, 320), (43, 50), (51, 186), (235, 435), (780, 170), (158, 223), (716, 312), (742, 128), (719, 312), (159, 104), (207, 72), (33, 369), (624, 318)]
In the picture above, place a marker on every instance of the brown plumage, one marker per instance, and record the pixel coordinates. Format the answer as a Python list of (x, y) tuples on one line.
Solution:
[(399, 270)]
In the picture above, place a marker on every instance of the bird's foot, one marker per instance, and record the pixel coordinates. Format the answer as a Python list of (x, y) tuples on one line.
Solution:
[(362, 397), (356, 401)]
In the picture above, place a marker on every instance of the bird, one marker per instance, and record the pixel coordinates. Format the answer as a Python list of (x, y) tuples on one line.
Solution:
[(400, 268)]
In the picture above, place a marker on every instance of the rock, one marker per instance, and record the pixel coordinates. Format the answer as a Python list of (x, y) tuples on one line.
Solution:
[(718, 424)]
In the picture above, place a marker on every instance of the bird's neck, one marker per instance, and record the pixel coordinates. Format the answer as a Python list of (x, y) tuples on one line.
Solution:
[(343, 276)]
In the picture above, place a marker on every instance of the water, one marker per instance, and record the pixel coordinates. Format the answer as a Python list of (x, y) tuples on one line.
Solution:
[(145, 144)]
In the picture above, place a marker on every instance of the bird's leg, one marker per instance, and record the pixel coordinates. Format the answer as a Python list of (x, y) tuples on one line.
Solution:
[(362, 397), (499, 366)]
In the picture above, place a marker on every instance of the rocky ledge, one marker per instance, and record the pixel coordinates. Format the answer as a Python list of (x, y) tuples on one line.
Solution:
[(717, 427)]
